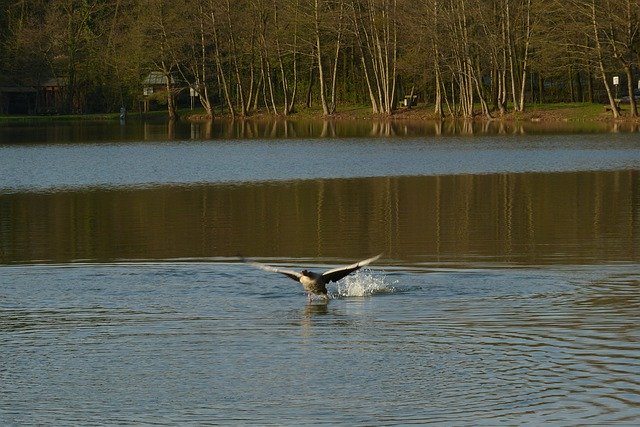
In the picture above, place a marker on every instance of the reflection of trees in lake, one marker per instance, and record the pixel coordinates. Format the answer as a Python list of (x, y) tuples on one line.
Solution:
[(585, 217), (330, 128)]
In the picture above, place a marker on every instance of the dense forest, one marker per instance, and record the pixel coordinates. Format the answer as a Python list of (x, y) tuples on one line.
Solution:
[(464, 57)]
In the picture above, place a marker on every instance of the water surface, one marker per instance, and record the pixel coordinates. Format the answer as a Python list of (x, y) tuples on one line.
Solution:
[(219, 343), (153, 129), (523, 218), (55, 167), (508, 291)]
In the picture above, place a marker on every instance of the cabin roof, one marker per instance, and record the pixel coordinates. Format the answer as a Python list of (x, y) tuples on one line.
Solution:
[(156, 78)]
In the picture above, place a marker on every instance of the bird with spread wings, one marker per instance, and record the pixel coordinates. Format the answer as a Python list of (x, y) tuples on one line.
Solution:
[(316, 283)]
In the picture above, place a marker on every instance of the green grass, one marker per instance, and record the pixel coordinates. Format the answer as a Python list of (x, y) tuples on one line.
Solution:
[(61, 117), (576, 111), (88, 117), (579, 112)]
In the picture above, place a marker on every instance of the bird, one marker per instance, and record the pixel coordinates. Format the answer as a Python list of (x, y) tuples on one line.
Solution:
[(316, 283)]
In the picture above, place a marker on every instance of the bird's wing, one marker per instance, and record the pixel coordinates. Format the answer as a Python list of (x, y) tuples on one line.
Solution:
[(289, 273), (340, 272)]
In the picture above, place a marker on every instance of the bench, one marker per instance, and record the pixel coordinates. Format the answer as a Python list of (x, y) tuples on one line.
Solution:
[(410, 101)]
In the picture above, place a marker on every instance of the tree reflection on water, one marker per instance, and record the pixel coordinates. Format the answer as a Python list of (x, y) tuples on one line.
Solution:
[(529, 218)]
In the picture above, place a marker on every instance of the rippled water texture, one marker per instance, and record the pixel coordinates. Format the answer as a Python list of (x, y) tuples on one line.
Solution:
[(56, 167), (220, 343), (508, 291)]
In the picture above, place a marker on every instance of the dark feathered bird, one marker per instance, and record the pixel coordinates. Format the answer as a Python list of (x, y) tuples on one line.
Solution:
[(316, 283)]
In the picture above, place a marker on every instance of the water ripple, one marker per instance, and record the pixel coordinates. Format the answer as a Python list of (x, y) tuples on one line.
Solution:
[(210, 343)]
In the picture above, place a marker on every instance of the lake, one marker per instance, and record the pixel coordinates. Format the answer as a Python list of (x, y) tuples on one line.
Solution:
[(508, 291)]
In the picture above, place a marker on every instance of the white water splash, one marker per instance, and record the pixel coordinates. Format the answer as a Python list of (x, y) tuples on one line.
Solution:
[(363, 284)]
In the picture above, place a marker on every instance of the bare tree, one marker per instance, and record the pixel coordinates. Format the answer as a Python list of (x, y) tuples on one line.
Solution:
[(621, 34), (324, 11), (376, 29)]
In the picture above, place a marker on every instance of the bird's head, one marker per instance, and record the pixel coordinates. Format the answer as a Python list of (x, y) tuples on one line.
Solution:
[(305, 272)]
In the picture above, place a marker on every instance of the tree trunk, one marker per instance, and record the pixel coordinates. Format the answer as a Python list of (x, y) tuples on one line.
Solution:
[(292, 103), (502, 73), (234, 59), (256, 95), (436, 64), (589, 85), (376, 31), (250, 92), (363, 60), (312, 67), (323, 98), (525, 60), (511, 54), (283, 75), (218, 60), (630, 90), (171, 106), (201, 83), (334, 77), (615, 110), (438, 96)]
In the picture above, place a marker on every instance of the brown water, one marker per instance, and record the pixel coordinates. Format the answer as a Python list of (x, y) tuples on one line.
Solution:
[(508, 291), (526, 218), (135, 129)]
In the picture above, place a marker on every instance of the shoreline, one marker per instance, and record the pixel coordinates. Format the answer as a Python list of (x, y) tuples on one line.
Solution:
[(579, 113), (546, 113)]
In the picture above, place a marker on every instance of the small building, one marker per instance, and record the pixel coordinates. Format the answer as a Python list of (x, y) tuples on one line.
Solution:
[(154, 90), (17, 99), (35, 98), (51, 95), (157, 79)]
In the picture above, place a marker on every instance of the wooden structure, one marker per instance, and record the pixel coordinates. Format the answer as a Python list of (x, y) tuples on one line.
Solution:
[(154, 88), (17, 99), (51, 95)]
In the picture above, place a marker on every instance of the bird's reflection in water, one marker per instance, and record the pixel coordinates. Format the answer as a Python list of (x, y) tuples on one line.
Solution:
[(310, 317), (311, 310)]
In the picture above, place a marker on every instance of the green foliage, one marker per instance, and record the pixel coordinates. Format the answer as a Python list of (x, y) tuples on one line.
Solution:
[(263, 54)]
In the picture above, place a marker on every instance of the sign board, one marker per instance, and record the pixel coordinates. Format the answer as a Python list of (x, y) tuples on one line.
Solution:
[(616, 80)]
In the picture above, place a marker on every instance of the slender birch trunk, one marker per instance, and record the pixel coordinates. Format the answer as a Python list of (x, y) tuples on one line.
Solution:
[(335, 61), (234, 60), (436, 63), (596, 33), (323, 99), (525, 60), (363, 61), (218, 60)]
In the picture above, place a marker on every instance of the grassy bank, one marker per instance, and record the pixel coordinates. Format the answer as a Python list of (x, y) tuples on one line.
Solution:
[(61, 117), (581, 112), (87, 117), (557, 112)]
